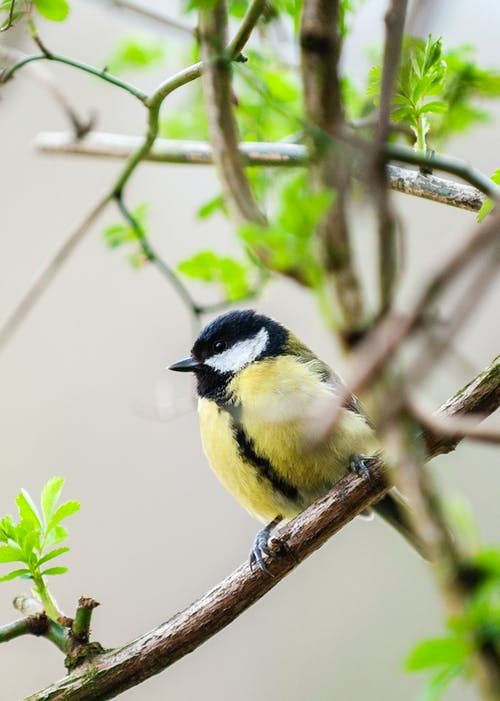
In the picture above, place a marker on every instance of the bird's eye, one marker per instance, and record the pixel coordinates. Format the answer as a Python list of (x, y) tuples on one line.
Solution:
[(219, 346)]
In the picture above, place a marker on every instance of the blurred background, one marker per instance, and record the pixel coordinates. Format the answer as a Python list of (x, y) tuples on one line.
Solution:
[(84, 394)]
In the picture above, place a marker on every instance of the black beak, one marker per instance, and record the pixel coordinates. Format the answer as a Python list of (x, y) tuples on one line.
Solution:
[(186, 365)]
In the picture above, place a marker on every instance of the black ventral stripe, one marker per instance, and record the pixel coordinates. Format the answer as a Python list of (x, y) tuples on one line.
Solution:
[(262, 465)]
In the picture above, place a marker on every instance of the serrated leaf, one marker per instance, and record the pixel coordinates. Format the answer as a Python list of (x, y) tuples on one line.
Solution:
[(56, 535), (30, 545), (437, 685), (7, 528), (67, 509), (55, 10), (49, 497), (14, 574), (437, 107), (401, 113), (11, 553), (435, 653), (488, 205), (54, 570), (51, 555), (27, 509)]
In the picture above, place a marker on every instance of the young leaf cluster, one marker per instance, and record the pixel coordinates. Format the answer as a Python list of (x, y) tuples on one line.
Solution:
[(34, 540), (231, 274), (288, 243), (13, 10), (124, 234), (437, 90), (450, 656)]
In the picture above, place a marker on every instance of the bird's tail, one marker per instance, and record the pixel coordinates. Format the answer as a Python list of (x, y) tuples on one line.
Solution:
[(394, 509)]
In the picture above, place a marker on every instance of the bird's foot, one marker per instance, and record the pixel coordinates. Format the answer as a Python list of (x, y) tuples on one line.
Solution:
[(260, 547), (358, 465)]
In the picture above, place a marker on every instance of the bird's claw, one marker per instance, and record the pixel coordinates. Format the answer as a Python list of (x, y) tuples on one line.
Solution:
[(261, 547), (358, 466)]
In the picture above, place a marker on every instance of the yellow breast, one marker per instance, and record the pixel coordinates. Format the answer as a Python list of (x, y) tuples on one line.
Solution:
[(261, 450)]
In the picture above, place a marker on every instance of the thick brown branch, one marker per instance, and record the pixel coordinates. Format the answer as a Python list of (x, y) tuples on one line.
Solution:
[(216, 81), (479, 397), (113, 672), (320, 53), (387, 233)]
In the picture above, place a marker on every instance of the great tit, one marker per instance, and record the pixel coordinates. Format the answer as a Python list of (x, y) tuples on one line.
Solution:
[(260, 390)]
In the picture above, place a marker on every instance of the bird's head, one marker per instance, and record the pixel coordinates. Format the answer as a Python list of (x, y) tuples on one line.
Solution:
[(228, 344)]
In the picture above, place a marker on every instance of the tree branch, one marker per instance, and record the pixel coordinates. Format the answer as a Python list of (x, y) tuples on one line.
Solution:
[(387, 233), (153, 103), (216, 81), (149, 14), (80, 125), (379, 346), (47, 55), (320, 43), (42, 279), (278, 154), (113, 672)]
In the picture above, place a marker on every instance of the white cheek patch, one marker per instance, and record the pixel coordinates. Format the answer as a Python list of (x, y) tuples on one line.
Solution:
[(239, 355)]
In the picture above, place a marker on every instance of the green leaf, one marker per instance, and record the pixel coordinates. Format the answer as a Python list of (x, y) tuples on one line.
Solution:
[(488, 206), (67, 509), (216, 204), (11, 553), (437, 685), (124, 233), (14, 574), (49, 497), (136, 52), (210, 267), (7, 529), (435, 653), (55, 10), (54, 570), (437, 107), (488, 560), (28, 510), (51, 555), (55, 536)]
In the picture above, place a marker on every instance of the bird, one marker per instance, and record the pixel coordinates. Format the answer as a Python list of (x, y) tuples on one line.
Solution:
[(260, 392)]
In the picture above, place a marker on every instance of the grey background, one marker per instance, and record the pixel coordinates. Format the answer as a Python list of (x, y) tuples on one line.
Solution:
[(84, 394)]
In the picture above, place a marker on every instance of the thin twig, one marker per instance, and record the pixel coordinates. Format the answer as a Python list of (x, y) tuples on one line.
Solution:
[(379, 346), (454, 427), (81, 126), (46, 55), (47, 273), (480, 397), (118, 670), (10, 17), (156, 17), (153, 103), (38, 624), (196, 310), (80, 627)]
